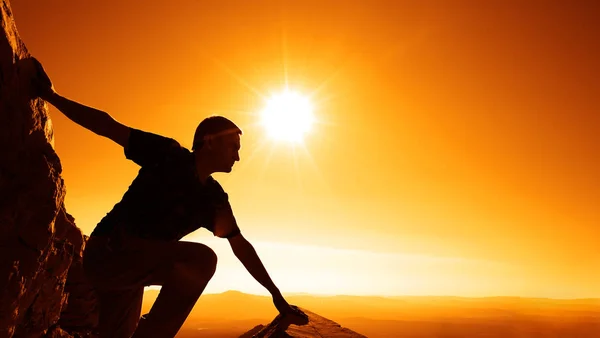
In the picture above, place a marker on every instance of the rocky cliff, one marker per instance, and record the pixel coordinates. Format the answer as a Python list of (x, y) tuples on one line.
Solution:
[(39, 241), (316, 327)]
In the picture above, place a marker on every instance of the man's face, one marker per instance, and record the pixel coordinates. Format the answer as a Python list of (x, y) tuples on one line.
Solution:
[(226, 150)]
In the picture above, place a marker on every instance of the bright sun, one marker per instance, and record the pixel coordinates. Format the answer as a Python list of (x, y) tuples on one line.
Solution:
[(287, 116)]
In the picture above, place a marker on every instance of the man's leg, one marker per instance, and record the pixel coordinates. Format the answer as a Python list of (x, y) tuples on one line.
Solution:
[(183, 275), (119, 312), (182, 268), (116, 277)]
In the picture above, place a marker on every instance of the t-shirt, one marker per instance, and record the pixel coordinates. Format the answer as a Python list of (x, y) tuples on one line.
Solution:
[(166, 201)]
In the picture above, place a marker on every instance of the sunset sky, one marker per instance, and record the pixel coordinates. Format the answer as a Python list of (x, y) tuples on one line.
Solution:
[(456, 148)]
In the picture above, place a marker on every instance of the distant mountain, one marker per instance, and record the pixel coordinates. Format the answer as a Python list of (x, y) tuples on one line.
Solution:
[(236, 305)]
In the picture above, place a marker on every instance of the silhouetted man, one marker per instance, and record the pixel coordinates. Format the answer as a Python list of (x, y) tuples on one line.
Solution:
[(137, 243)]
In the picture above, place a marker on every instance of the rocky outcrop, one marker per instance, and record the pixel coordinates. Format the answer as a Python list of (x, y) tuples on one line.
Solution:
[(80, 314), (316, 326), (39, 241)]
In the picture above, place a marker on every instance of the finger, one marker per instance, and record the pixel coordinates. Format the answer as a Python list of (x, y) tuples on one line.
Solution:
[(301, 313), (297, 311)]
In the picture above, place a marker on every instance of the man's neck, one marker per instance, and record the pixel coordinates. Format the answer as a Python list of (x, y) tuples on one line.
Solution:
[(203, 171)]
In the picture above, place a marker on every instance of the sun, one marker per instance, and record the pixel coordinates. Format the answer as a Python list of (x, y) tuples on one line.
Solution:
[(287, 116)]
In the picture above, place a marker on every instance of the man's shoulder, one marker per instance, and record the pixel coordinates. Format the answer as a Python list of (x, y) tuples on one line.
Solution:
[(217, 194), (148, 138), (150, 148), (213, 184)]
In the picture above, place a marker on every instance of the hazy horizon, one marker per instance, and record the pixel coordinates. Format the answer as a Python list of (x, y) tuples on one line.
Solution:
[(266, 294), (227, 315)]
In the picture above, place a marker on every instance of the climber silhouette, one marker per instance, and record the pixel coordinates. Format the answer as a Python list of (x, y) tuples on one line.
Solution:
[(137, 243)]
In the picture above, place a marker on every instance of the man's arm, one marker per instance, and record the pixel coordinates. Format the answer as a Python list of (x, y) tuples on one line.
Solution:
[(226, 227), (246, 253), (90, 118), (95, 120)]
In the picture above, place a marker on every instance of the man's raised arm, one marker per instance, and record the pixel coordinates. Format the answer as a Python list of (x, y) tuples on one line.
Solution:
[(90, 118)]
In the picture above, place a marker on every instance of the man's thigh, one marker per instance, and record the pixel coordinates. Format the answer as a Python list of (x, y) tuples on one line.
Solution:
[(137, 262)]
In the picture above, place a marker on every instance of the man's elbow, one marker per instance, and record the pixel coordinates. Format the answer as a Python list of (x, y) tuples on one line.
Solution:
[(227, 234), (117, 132), (240, 246)]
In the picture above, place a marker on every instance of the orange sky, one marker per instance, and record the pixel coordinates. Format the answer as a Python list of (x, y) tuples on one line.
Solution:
[(457, 149)]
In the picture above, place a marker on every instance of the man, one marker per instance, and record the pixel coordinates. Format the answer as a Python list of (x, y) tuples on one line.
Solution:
[(137, 243)]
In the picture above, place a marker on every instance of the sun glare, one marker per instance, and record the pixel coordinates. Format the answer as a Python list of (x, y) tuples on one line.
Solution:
[(287, 116)]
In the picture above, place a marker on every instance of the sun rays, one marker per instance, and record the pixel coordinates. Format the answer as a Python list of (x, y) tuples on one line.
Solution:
[(283, 122)]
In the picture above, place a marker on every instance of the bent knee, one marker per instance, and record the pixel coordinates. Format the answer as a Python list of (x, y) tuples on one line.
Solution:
[(206, 257), (201, 258), (211, 261), (191, 276)]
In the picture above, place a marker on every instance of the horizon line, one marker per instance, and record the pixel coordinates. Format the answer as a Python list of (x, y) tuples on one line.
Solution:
[(390, 296)]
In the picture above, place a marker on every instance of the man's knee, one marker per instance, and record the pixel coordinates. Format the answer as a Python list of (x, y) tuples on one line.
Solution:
[(199, 264), (191, 277), (209, 261), (202, 257)]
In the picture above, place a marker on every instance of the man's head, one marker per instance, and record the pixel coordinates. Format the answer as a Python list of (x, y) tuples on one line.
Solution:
[(218, 140)]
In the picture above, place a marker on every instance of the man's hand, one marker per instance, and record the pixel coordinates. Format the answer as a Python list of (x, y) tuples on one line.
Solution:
[(245, 252), (42, 86), (293, 313), (97, 121)]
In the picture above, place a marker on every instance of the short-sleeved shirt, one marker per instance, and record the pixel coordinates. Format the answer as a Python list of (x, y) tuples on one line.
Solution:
[(166, 201)]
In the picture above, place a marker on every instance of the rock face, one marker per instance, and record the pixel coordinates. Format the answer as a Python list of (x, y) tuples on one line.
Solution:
[(317, 327), (39, 241)]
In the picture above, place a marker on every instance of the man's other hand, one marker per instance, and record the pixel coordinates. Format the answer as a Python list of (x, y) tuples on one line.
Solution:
[(290, 312)]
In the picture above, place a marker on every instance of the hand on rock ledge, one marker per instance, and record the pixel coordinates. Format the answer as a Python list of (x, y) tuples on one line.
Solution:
[(40, 85), (289, 313)]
